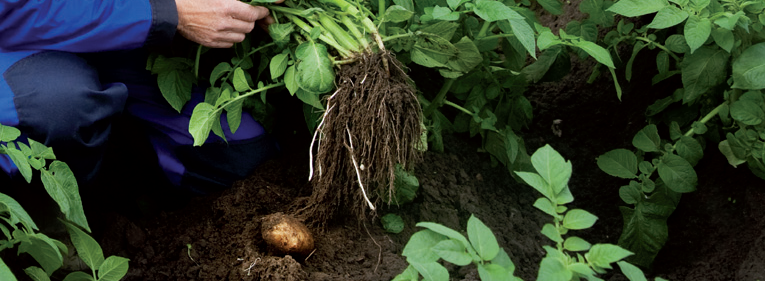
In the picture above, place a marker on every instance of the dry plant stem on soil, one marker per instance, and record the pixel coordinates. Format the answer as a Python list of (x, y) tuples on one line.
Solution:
[(372, 124)]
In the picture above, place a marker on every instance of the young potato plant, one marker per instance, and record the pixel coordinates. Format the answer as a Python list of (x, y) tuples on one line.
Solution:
[(323, 50), (426, 247), (718, 49), (18, 229)]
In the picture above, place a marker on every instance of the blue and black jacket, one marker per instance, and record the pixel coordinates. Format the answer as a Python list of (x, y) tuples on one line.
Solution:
[(43, 78)]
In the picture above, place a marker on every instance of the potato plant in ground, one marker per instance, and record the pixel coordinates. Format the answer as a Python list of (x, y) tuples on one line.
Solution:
[(717, 48), (550, 178), (476, 51), (19, 230)]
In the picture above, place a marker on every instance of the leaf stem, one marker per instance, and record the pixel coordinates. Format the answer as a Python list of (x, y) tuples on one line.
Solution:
[(707, 117), (436, 103), (250, 93), (397, 36), (447, 102), (484, 29), (196, 61), (660, 46)]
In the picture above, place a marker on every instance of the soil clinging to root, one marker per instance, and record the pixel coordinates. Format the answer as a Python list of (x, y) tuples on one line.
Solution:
[(372, 123)]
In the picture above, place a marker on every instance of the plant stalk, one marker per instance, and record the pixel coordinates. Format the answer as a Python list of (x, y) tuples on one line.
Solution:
[(439, 100)]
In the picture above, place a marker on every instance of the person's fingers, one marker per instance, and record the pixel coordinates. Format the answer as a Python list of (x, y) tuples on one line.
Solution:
[(235, 25), (246, 12), (264, 23)]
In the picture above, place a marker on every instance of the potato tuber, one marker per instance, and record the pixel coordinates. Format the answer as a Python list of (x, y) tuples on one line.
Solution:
[(286, 235)]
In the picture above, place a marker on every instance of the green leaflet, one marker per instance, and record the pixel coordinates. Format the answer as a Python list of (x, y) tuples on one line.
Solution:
[(43, 250), (749, 68), (677, 173), (433, 51), (202, 119), (747, 112), (453, 251), (723, 38), (619, 163), (406, 186), (61, 185), (392, 223), (314, 70), (634, 8), (219, 71), (552, 6), (482, 239), (602, 255), (396, 13), (432, 271), (553, 269), (418, 249), (576, 244), (113, 269), (598, 14), (632, 272), (523, 32), (645, 227), (174, 77), (647, 139), (579, 219), (278, 64), (17, 214), (467, 56), (87, 247), (690, 149), (599, 53), (8, 133), (703, 70), (36, 273), (668, 16), (491, 10), (493, 272), (696, 31), (552, 167)]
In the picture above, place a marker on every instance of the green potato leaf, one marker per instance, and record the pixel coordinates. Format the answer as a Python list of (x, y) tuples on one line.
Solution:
[(453, 251), (596, 51), (647, 139), (747, 112), (749, 68), (36, 273), (703, 70), (432, 271), (277, 66), (87, 247), (61, 185), (113, 269), (723, 38), (579, 219), (396, 13), (491, 10), (696, 31), (418, 249), (201, 122), (314, 71), (632, 272), (619, 163), (43, 250), (552, 167), (576, 244), (635, 8), (8, 133), (483, 240), (553, 6), (598, 14), (392, 223), (677, 173), (668, 16), (551, 268), (219, 71), (602, 255)]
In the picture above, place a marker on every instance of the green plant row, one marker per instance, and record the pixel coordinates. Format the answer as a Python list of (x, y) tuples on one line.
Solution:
[(717, 48), (570, 258), (19, 230)]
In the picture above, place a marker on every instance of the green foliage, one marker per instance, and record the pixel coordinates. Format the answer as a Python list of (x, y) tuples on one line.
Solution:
[(717, 48), (18, 229), (426, 247), (392, 223)]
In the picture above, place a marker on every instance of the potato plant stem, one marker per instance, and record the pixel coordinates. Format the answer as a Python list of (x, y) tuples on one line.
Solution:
[(436, 103), (707, 117), (329, 41), (660, 46), (339, 33), (355, 31), (484, 29), (447, 102)]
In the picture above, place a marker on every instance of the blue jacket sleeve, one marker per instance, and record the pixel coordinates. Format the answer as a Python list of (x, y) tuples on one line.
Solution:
[(86, 25)]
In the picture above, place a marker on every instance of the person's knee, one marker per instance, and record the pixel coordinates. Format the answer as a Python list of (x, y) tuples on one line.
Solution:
[(60, 100)]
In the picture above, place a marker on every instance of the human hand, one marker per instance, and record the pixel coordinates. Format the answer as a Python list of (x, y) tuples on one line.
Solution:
[(217, 23)]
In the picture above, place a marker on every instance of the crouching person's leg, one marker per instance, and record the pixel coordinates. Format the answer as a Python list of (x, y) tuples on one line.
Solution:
[(57, 99), (201, 169)]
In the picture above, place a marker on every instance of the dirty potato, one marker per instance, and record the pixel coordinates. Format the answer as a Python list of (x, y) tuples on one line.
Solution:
[(286, 235)]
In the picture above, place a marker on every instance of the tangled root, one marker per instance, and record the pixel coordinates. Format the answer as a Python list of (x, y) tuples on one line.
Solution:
[(371, 124)]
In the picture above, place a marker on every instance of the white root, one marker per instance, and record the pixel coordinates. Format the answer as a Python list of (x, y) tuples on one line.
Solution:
[(315, 136), (358, 174)]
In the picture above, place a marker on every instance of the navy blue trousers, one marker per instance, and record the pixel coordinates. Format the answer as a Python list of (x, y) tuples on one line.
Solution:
[(69, 102)]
